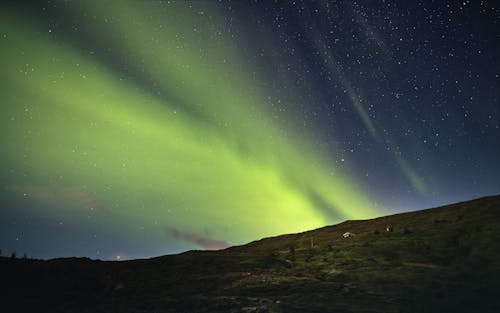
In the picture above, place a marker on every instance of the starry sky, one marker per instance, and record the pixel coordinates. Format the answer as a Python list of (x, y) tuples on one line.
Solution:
[(135, 129)]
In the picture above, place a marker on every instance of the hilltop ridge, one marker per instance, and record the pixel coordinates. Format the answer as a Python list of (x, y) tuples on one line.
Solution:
[(436, 260)]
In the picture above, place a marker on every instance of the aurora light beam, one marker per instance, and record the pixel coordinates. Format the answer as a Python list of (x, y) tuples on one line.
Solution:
[(196, 150)]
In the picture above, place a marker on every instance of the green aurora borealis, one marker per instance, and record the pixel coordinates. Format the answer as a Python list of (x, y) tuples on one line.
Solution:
[(135, 129), (197, 151)]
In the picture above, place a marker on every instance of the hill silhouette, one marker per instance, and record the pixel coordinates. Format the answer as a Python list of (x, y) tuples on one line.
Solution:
[(445, 259)]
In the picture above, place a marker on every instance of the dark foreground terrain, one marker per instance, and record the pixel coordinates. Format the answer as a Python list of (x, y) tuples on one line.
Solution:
[(445, 259)]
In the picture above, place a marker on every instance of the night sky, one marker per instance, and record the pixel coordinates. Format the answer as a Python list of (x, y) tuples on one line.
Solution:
[(140, 128)]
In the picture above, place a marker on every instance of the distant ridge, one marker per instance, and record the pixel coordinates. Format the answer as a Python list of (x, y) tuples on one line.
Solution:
[(444, 259)]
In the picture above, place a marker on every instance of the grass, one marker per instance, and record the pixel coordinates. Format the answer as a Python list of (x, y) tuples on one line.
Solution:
[(442, 259)]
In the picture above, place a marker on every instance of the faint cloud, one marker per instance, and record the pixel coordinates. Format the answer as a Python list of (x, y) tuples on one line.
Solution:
[(204, 242), (371, 34), (60, 196)]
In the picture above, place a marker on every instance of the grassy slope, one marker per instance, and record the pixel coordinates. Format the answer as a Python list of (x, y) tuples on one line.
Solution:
[(438, 260)]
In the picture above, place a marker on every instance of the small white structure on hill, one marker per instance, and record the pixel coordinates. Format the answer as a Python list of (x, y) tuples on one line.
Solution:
[(347, 235)]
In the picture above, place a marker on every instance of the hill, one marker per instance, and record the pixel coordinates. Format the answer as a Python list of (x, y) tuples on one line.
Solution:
[(445, 259)]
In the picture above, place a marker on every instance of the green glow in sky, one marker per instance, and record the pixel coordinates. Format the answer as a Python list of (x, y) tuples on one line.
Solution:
[(187, 145)]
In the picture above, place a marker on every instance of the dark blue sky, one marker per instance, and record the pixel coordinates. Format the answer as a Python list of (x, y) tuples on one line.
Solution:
[(142, 128), (426, 73)]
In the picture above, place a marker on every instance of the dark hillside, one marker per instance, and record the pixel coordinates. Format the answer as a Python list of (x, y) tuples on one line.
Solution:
[(444, 259)]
